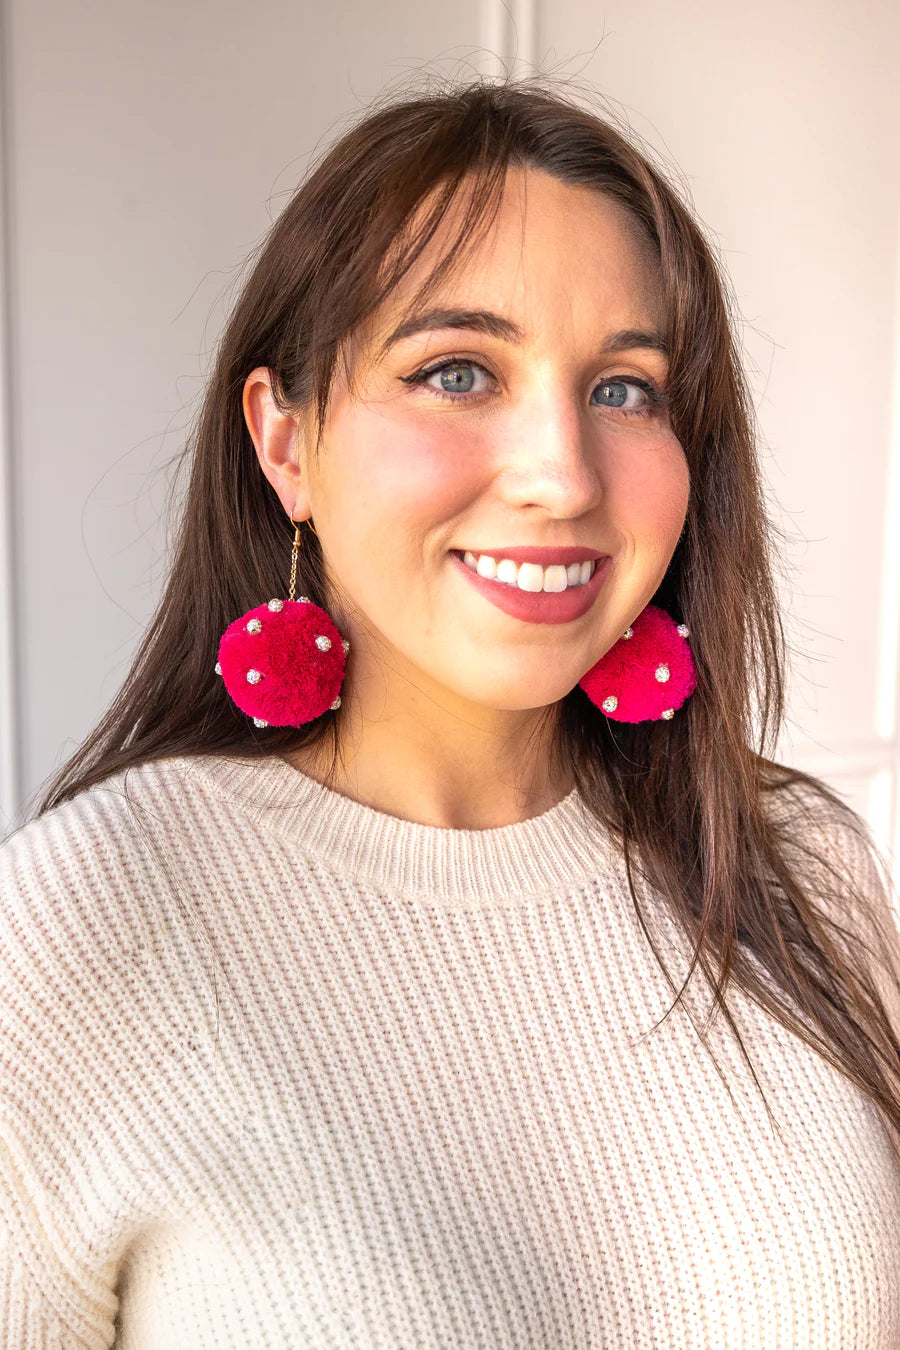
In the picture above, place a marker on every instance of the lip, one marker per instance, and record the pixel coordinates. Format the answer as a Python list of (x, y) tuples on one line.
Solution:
[(540, 606), (546, 555)]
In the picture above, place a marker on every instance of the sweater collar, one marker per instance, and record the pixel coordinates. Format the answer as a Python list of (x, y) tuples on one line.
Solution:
[(555, 850)]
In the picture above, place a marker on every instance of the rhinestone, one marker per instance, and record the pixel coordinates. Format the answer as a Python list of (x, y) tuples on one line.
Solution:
[(662, 673), (336, 704), (610, 704), (218, 668), (260, 722), (303, 600), (683, 630), (323, 643), (668, 714), (254, 626), (253, 677), (346, 645), (629, 632), (276, 605)]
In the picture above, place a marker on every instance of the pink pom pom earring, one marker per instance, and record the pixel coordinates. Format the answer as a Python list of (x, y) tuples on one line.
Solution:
[(648, 674), (283, 662)]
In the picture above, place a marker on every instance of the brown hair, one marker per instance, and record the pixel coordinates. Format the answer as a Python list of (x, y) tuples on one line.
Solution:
[(701, 811)]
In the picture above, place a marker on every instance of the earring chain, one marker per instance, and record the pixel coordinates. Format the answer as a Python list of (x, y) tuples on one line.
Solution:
[(294, 547)]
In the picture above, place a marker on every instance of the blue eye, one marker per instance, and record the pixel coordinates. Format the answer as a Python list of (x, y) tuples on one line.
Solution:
[(457, 379), (616, 391)]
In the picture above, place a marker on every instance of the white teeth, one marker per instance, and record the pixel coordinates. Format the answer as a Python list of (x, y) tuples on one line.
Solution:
[(530, 576)]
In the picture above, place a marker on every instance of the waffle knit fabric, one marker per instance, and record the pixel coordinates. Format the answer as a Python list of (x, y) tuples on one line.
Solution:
[(279, 1070)]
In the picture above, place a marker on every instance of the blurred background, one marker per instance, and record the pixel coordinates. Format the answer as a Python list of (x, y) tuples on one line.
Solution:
[(146, 149)]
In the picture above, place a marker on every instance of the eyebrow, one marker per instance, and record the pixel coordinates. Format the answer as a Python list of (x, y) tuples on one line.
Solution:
[(495, 325)]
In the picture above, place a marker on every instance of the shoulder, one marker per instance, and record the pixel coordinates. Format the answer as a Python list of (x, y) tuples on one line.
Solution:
[(85, 844), (114, 824), (834, 856), (823, 836), (92, 877)]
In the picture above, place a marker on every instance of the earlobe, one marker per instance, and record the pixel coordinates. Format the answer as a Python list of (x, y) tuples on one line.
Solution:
[(275, 436)]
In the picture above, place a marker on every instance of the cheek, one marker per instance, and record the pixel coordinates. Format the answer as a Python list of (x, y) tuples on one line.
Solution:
[(648, 488), (417, 476)]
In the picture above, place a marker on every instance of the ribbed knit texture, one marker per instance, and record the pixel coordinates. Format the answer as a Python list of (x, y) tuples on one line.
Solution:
[(281, 1070)]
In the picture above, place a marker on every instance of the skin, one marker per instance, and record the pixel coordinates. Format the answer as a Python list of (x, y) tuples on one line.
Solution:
[(448, 703)]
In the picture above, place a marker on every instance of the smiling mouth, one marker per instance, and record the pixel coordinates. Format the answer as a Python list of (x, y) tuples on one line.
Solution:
[(528, 576)]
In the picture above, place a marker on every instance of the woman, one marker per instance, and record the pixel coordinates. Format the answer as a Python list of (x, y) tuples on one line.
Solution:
[(338, 994)]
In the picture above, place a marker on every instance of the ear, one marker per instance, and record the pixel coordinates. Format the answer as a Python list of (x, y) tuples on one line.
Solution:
[(276, 438)]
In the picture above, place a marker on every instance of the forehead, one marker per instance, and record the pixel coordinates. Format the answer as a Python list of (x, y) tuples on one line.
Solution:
[(557, 257)]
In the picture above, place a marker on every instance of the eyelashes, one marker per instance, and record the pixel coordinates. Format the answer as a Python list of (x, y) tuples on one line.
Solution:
[(655, 399)]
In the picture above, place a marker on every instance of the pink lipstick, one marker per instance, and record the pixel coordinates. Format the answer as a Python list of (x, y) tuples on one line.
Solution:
[(541, 606)]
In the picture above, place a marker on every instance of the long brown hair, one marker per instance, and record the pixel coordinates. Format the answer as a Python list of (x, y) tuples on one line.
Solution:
[(702, 812)]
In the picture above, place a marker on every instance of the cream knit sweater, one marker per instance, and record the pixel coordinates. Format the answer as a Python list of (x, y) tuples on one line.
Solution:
[(280, 1070)]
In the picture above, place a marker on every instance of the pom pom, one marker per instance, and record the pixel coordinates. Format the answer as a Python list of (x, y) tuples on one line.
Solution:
[(283, 662), (647, 676)]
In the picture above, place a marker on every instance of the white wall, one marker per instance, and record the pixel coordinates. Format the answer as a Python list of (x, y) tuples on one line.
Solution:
[(147, 148)]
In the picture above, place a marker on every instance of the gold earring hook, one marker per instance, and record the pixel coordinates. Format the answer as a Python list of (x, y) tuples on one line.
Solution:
[(297, 523), (294, 549)]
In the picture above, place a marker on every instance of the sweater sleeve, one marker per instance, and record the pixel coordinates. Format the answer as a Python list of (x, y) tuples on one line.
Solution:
[(46, 1303), (62, 1216)]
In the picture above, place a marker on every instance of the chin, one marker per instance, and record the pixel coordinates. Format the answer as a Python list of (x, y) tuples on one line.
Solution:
[(517, 694)]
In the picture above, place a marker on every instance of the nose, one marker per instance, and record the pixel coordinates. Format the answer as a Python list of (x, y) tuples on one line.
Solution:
[(549, 458)]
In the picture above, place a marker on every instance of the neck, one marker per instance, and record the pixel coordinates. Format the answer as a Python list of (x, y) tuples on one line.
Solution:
[(428, 758)]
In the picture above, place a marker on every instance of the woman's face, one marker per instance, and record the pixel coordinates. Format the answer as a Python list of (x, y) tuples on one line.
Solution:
[(546, 428)]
